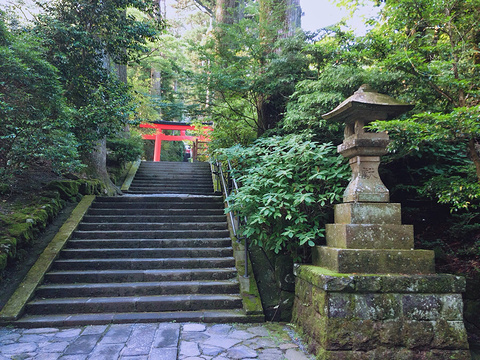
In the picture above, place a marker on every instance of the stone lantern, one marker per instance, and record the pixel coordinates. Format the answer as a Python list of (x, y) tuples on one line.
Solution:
[(364, 148), (368, 236), (369, 294)]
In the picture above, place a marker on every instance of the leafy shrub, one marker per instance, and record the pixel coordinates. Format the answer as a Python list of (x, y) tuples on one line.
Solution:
[(288, 186), (36, 122), (123, 150)]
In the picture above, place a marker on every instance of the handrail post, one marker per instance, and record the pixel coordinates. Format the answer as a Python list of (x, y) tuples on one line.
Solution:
[(223, 184)]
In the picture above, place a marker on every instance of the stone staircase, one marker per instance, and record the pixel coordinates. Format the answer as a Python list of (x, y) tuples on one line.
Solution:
[(172, 178), (159, 256)]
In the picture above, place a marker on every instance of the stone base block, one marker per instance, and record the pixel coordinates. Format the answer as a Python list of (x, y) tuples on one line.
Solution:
[(390, 354), (370, 236), (347, 316), (374, 261), (368, 213)]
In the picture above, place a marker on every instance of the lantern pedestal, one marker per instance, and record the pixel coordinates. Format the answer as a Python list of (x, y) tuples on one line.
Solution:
[(369, 294)]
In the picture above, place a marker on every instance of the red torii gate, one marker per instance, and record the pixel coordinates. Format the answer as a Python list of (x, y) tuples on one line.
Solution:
[(168, 125)]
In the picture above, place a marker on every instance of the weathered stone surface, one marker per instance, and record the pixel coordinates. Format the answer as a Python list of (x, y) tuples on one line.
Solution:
[(398, 319), (368, 213), (391, 333), (270, 354), (106, 351), (377, 306), (188, 349), (449, 335), (328, 280), (41, 331), (194, 327), (418, 334), (397, 354), (369, 236), (82, 345), (430, 283), (15, 348), (293, 354), (242, 352), (421, 307), (366, 261), (167, 336), (210, 350), (58, 346)]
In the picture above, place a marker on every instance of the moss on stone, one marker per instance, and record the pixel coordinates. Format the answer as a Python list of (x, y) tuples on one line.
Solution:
[(68, 189), (27, 220)]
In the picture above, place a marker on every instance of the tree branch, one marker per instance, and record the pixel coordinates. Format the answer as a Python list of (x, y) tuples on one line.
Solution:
[(202, 6)]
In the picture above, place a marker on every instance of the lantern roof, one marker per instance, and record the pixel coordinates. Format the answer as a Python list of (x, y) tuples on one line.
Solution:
[(368, 105)]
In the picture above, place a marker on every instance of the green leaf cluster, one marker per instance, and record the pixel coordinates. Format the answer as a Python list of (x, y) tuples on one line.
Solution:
[(288, 186), (37, 124)]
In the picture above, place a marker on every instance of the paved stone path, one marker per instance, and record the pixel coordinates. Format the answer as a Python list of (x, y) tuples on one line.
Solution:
[(163, 341)]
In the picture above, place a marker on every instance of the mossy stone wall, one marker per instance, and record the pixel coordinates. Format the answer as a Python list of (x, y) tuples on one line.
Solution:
[(19, 229), (347, 316)]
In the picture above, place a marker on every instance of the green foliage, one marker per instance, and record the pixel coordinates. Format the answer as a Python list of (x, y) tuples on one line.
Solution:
[(36, 123), (83, 39), (172, 151), (161, 80), (288, 186), (122, 150), (454, 184), (245, 82)]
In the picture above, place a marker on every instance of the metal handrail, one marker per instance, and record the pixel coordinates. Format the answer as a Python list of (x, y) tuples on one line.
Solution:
[(223, 183)]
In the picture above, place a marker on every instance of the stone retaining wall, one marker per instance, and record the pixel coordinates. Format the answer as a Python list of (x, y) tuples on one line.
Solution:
[(348, 316)]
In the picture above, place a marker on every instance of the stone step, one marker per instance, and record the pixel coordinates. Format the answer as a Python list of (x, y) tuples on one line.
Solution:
[(134, 304), (192, 179), (143, 264), (168, 186), (163, 255), (172, 179), (160, 199), (126, 253), (162, 174), (148, 243), (174, 164), (150, 234), (137, 289), (135, 191), (155, 212), (144, 226), (153, 219), (205, 316), (149, 275), (155, 205)]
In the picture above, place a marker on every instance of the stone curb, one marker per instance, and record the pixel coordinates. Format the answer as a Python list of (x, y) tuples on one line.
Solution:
[(130, 175), (252, 304), (14, 307), (328, 280)]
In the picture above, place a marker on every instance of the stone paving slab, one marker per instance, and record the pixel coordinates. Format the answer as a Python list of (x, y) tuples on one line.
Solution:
[(163, 341)]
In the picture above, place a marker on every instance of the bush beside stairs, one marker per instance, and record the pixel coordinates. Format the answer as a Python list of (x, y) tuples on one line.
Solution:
[(161, 252)]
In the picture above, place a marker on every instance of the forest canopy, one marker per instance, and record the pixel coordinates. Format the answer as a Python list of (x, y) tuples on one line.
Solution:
[(81, 74)]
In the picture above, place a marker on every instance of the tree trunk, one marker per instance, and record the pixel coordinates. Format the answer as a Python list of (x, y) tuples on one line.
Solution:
[(228, 11), (472, 149), (293, 17), (278, 19), (121, 71), (96, 161)]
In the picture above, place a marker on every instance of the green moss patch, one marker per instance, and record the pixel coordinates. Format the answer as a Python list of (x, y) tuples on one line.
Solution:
[(21, 226)]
